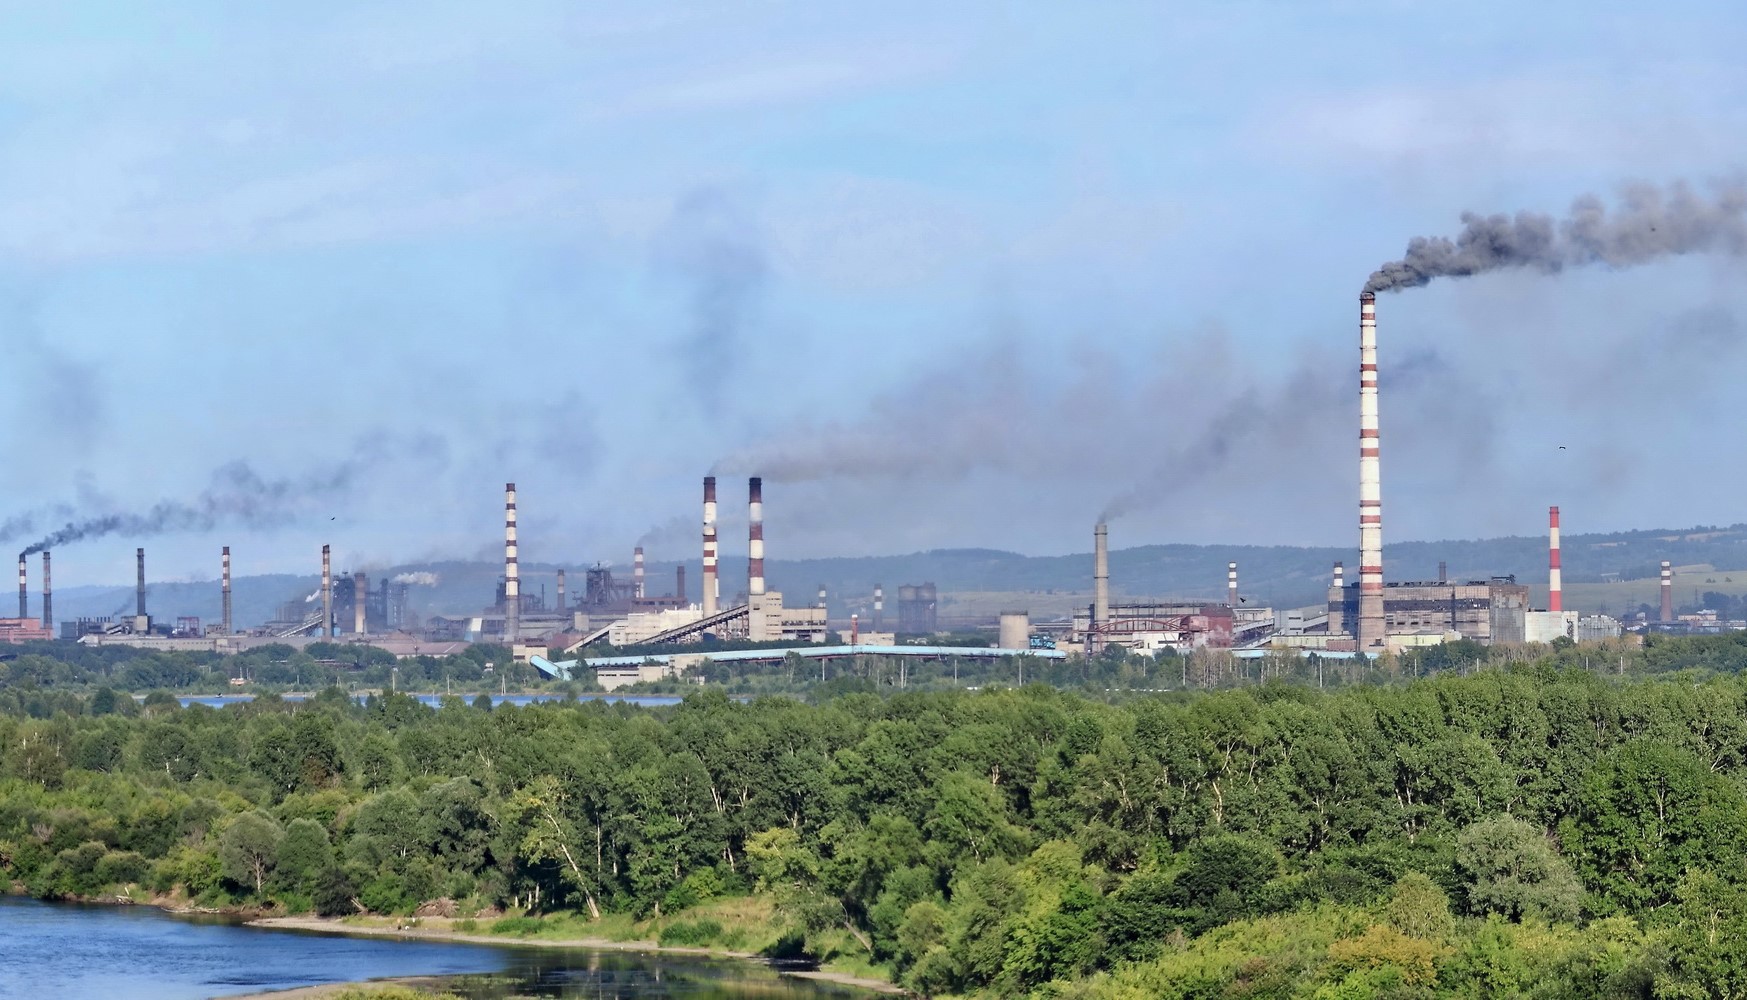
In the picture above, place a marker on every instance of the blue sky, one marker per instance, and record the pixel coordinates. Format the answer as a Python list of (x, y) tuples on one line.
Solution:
[(952, 274)]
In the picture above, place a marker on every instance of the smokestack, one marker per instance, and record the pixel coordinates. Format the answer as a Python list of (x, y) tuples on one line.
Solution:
[(48, 596), (755, 536), (822, 595), (637, 572), (360, 588), (854, 629), (1667, 591), (879, 606), (227, 590), (1340, 576), (679, 584), (327, 595), (1231, 584), (1370, 632), (1100, 575), (23, 586), (1555, 595), (1443, 571), (512, 584), (711, 587), (139, 557), (563, 609)]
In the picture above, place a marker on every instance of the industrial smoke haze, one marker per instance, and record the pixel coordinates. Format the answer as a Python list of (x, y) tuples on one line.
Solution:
[(1648, 223), (417, 579), (240, 496)]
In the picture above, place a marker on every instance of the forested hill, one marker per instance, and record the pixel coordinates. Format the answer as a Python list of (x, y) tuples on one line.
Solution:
[(1282, 575)]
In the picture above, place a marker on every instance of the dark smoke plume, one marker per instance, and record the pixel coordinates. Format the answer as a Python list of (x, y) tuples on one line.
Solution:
[(1648, 223), (710, 246), (239, 495)]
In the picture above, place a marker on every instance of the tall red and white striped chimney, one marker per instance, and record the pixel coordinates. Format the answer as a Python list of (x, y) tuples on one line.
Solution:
[(512, 580), (1667, 591), (755, 536), (711, 588), (226, 609), (637, 572), (563, 605), (48, 596), (23, 586), (879, 618), (327, 592), (1555, 587), (1231, 584), (1370, 633)]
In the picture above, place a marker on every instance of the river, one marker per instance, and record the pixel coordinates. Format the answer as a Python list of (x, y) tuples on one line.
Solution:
[(69, 952)]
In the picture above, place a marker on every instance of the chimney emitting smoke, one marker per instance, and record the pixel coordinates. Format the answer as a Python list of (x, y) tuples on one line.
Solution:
[(327, 595), (1555, 595), (139, 558), (637, 572), (1100, 575), (1370, 631), (711, 586), (227, 590), (23, 587), (755, 536), (48, 596)]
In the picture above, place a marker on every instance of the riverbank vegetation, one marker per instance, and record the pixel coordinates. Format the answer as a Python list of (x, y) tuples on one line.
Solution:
[(1543, 831)]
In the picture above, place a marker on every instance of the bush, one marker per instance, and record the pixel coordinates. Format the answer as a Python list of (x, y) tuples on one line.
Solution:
[(690, 933), (519, 926)]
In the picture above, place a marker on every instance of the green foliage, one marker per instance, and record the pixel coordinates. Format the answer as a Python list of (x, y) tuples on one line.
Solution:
[(1509, 867)]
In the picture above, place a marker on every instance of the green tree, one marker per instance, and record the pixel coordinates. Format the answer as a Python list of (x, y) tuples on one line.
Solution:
[(249, 848), (1510, 867)]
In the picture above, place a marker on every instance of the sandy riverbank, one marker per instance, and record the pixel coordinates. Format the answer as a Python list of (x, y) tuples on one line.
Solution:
[(428, 931), (326, 990)]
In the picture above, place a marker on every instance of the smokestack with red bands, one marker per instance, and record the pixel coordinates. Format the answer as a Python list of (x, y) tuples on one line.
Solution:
[(711, 587), (1555, 589), (1370, 632), (1667, 591), (755, 536)]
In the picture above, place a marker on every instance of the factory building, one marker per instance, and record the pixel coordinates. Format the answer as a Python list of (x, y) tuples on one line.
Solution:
[(1486, 611), (1151, 626)]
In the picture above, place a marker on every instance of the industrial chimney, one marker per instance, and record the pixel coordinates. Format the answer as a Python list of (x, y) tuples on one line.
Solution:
[(23, 586), (879, 607), (679, 583), (1443, 571), (1100, 575), (822, 596), (360, 591), (563, 608), (711, 588), (1667, 591), (327, 595), (139, 558), (1231, 585), (1370, 632), (512, 584), (637, 572), (227, 590), (1555, 595), (755, 537), (1340, 577), (48, 596)]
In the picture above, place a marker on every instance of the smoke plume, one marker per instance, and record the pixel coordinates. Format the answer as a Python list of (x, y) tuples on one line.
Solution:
[(711, 248), (1648, 223), (417, 579), (239, 495)]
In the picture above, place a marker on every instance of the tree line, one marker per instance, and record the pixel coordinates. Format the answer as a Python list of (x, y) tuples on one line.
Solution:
[(1542, 831)]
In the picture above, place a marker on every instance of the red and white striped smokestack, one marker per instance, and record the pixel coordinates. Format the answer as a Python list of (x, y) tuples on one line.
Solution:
[(637, 572), (139, 558), (1231, 584), (1340, 576), (1667, 591), (327, 594), (712, 588), (879, 606), (227, 590), (1370, 632), (563, 609), (1100, 574), (822, 596), (23, 586), (755, 536), (1555, 590), (48, 596), (512, 580)]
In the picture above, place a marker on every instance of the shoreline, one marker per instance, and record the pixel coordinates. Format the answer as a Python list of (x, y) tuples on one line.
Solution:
[(337, 926)]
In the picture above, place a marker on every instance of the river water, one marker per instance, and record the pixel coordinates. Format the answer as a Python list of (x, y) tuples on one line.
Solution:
[(69, 952)]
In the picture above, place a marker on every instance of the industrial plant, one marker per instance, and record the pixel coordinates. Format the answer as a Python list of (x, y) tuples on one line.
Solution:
[(1366, 616)]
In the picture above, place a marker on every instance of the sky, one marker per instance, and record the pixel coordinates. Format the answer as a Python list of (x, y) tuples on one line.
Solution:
[(947, 275)]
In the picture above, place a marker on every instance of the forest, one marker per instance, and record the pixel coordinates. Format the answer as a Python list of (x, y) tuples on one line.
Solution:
[(1538, 829)]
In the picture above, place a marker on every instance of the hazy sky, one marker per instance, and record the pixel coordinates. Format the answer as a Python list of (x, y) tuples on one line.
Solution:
[(951, 274)]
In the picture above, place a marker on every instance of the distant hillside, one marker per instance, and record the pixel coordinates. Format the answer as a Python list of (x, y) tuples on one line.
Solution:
[(1285, 576)]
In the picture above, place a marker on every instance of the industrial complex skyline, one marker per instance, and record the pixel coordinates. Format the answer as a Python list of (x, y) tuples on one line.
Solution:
[(327, 279)]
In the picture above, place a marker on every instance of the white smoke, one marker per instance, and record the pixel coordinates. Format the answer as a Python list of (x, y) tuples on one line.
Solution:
[(418, 579)]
